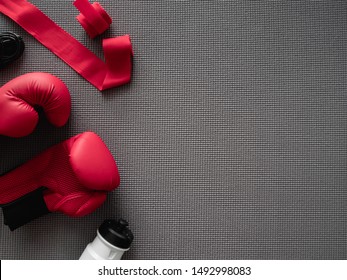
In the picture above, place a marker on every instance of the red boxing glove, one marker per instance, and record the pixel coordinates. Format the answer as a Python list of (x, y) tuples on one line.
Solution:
[(72, 177), (19, 97)]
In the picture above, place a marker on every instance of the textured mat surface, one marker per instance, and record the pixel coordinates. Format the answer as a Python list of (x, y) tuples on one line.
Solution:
[(231, 139)]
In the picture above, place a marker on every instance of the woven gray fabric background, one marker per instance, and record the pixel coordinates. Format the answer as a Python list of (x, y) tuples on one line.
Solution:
[(231, 138)]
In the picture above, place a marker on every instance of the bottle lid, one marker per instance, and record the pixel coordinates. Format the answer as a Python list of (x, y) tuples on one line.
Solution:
[(117, 233)]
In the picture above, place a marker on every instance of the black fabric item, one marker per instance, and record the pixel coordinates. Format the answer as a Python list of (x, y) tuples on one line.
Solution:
[(24, 209)]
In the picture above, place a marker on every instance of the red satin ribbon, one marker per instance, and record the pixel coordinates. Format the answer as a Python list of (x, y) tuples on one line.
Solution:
[(115, 71), (93, 17)]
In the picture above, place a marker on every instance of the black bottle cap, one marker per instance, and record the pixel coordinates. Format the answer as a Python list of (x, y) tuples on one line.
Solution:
[(117, 233)]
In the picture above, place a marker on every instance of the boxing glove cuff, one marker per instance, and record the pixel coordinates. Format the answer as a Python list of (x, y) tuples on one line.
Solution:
[(24, 209)]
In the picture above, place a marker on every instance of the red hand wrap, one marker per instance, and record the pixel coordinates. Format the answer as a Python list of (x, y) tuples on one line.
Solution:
[(93, 17), (118, 51)]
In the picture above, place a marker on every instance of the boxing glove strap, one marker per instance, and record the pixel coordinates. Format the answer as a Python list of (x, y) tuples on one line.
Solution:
[(24, 209), (115, 71)]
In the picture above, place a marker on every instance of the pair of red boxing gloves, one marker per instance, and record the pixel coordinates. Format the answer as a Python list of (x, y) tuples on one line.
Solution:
[(72, 177)]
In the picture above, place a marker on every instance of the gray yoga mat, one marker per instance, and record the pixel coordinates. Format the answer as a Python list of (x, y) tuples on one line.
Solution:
[(231, 139)]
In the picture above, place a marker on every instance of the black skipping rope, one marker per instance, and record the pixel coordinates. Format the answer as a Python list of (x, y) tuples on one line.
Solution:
[(11, 48)]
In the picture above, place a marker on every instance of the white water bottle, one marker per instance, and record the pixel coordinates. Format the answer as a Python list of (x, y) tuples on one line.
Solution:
[(112, 240)]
